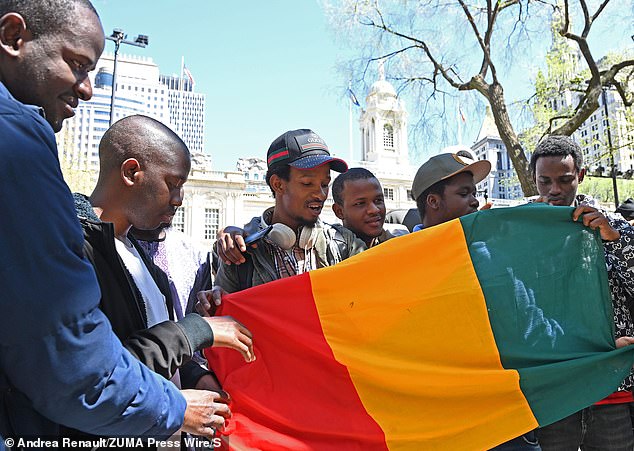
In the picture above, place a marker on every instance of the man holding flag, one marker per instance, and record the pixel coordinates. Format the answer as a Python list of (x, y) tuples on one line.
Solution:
[(445, 189), (557, 169)]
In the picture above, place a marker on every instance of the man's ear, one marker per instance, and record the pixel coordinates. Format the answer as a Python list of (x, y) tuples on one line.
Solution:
[(277, 184), (338, 209), (130, 171), (582, 174), (13, 33), (433, 201)]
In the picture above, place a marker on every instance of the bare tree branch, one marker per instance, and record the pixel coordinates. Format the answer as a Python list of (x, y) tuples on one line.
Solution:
[(609, 78), (555, 118), (423, 46), (587, 21), (433, 71), (599, 10), (503, 5), (486, 63)]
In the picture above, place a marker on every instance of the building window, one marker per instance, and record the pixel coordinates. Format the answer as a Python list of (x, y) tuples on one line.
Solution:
[(212, 222), (388, 136), (388, 193), (409, 194), (178, 222)]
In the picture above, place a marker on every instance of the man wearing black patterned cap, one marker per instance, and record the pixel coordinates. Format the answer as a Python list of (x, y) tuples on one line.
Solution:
[(299, 165)]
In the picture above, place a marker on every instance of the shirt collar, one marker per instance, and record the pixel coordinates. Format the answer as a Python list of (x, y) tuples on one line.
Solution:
[(4, 92)]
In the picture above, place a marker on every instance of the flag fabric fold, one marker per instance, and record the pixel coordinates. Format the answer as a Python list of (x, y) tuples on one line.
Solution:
[(461, 336), (189, 75), (462, 115), (353, 98)]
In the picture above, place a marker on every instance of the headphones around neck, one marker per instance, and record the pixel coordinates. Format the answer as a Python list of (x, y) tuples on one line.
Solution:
[(285, 237)]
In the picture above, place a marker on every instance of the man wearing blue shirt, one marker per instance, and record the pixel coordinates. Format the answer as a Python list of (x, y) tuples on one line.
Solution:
[(59, 359)]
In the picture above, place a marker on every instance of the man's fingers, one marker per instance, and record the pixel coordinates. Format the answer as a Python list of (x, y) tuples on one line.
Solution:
[(624, 341), (201, 310), (242, 328), (221, 409), (229, 333), (216, 295), (223, 397), (206, 411), (206, 431), (234, 256), (239, 240), (581, 209), (203, 306), (592, 220), (222, 246), (246, 345)]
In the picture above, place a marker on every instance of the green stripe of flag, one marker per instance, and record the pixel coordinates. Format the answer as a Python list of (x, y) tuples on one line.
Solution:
[(567, 329)]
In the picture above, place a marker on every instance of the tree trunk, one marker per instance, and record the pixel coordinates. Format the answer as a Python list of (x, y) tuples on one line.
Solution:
[(495, 95)]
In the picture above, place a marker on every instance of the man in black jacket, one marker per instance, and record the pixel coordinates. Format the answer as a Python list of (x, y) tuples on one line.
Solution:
[(143, 166)]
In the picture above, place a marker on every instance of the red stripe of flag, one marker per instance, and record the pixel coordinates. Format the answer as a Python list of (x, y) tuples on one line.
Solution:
[(294, 358)]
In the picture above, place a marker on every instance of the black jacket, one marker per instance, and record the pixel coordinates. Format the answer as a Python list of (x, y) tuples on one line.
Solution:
[(163, 347)]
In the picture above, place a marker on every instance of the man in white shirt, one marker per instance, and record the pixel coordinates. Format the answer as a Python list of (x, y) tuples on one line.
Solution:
[(143, 166)]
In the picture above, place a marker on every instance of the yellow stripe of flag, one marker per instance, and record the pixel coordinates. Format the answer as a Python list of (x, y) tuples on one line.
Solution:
[(398, 354)]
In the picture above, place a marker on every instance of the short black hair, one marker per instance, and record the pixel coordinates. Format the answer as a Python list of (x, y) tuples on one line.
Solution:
[(557, 145), (350, 174), (283, 172), (436, 188), (45, 17)]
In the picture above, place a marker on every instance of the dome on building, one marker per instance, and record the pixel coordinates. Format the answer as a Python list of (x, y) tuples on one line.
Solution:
[(382, 87)]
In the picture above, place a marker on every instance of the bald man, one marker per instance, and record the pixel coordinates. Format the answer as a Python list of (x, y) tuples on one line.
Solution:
[(143, 166)]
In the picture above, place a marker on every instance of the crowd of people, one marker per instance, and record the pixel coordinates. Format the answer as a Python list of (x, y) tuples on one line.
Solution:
[(106, 308)]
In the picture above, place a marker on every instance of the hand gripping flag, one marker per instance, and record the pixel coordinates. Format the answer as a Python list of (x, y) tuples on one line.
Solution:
[(458, 337)]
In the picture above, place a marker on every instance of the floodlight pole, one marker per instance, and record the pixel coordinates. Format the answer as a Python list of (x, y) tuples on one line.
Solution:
[(119, 37)]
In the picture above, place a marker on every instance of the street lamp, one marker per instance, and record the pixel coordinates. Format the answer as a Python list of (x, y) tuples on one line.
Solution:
[(610, 147), (119, 37)]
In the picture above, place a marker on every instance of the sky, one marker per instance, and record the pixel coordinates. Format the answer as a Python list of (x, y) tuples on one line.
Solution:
[(265, 67)]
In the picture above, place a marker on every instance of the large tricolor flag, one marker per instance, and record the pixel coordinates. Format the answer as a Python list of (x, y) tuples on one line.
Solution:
[(458, 337)]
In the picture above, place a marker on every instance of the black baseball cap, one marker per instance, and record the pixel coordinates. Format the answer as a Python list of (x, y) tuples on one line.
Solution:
[(302, 149), (627, 209)]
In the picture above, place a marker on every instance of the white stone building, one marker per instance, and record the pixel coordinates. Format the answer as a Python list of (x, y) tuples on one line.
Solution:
[(592, 135), (214, 199), (384, 143), (502, 183), (186, 110)]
